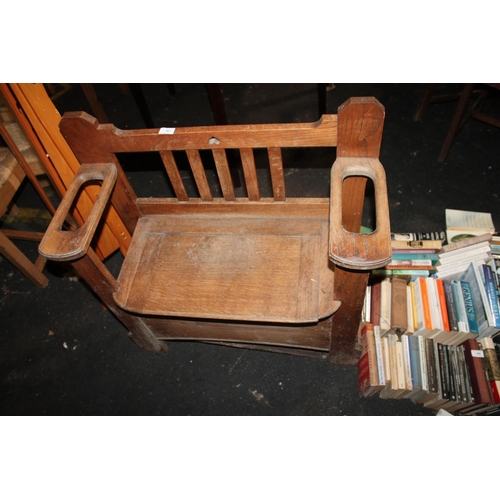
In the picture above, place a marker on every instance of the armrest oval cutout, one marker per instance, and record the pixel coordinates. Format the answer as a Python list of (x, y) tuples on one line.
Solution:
[(63, 245), (348, 247)]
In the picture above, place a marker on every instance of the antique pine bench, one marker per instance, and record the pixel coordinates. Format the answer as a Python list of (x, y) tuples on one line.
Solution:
[(273, 273)]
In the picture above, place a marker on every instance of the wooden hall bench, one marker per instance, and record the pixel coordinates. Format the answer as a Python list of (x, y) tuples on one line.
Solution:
[(280, 274)]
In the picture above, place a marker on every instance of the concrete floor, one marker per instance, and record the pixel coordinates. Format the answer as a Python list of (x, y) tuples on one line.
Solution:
[(63, 354)]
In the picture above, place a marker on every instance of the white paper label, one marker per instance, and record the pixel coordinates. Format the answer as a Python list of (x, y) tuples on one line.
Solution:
[(166, 130), (477, 353)]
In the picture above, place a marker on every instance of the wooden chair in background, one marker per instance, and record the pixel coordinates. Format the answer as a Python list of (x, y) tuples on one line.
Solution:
[(463, 112), (19, 163)]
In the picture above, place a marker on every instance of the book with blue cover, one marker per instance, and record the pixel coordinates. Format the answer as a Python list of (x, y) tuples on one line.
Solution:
[(491, 292), (469, 306)]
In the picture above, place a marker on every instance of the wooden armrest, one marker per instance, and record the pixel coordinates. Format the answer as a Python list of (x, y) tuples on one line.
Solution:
[(69, 245), (355, 250)]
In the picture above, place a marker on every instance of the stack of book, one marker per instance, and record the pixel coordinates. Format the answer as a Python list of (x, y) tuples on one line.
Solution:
[(413, 254), (447, 314), (462, 379)]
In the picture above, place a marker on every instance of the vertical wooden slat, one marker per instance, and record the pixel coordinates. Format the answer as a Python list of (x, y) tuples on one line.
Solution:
[(277, 176), (224, 174), (174, 175), (250, 173), (199, 174)]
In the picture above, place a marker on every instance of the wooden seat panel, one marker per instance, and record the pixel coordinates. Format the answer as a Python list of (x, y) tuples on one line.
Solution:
[(240, 268)]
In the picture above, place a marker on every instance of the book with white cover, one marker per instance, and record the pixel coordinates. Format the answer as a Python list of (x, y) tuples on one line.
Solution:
[(463, 253), (462, 224)]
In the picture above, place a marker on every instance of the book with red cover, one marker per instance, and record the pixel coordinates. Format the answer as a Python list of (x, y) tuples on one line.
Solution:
[(368, 381), (478, 378)]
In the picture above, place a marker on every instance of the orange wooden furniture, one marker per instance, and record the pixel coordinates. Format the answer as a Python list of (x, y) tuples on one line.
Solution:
[(19, 163), (279, 273)]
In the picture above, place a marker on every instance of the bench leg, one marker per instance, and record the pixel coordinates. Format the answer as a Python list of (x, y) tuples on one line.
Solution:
[(102, 282), (350, 289)]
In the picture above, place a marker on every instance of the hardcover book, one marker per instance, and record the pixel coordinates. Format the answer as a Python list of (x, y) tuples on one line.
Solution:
[(399, 313), (375, 303), (479, 383), (368, 382), (492, 367)]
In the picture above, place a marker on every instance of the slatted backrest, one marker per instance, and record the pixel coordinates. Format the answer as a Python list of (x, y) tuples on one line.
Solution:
[(95, 143)]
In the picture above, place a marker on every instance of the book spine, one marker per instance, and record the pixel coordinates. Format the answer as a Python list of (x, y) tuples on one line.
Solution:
[(451, 373), (434, 304), (465, 243), (432, 258), (466, 375), (491, 293), (463, 324), (375, 303), (425, 304), (410, 272), (416, 374), (423, 363), (469, 307), (399, 314), (444, 380), (401, 265), (475, 360), (461, 374), (380, 358), (367, 365), (492, 363), (409, 310), (456, 373), (431, 365), (450, 306), (387, 364), (372, 356), (385, 306), (443, 308), (481, 345), (400, 365), (407, 363), (393, 362), (418, 244), (367, 305), (431, 235)]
